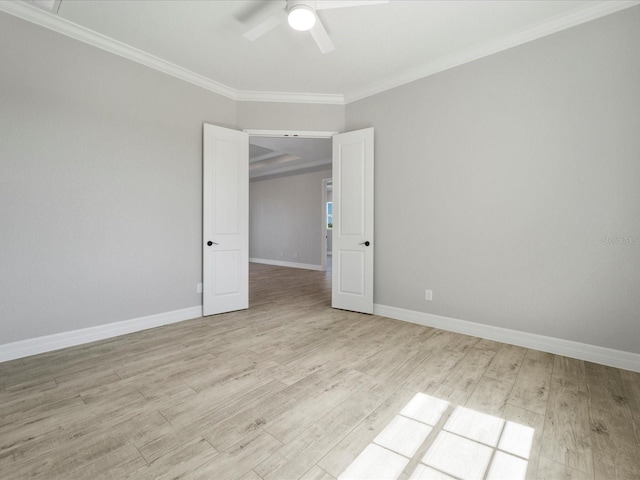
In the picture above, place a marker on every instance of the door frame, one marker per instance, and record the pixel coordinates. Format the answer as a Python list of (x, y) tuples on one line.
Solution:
[(324, 231), (253, 132)]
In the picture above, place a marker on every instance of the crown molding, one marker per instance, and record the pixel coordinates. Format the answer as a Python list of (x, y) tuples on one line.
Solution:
[(70, 29), (58, 24), (511, 40), (65, 27)]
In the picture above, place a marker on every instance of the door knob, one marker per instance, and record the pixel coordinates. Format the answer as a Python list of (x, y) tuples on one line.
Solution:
[(365, 243), (211, 243)]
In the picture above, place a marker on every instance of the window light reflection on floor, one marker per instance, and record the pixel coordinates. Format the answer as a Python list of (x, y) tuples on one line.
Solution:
[(469, 445)]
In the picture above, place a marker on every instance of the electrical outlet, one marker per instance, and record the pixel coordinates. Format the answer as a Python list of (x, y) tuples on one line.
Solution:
[(295, 255), (199, 288), (428, 295), (282, 253)]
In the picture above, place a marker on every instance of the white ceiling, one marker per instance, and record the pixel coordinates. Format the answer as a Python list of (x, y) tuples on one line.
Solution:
[(377, 46)]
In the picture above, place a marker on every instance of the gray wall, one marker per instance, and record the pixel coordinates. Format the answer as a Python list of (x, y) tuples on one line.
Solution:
[(285, 218), (100, 185), (291, 116), (510, 186)]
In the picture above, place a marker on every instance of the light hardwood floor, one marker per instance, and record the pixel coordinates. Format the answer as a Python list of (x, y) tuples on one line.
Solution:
[(293, 389)]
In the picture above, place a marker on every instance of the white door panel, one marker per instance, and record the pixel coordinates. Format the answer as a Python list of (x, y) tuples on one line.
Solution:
[(352, 267), (225, 220), (352, 280)]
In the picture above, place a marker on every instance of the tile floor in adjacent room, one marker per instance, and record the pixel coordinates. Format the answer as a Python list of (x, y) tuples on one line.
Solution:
[(291, 389)]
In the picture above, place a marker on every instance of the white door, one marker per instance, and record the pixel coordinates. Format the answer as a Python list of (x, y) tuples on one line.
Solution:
[(225, 276), (352, 277)]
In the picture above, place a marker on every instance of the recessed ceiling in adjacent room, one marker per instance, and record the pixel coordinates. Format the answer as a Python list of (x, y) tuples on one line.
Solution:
[(270, 156)]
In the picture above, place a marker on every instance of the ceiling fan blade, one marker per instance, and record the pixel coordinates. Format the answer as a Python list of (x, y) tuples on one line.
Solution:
[(328, 4), (322, 38), (265, 25)]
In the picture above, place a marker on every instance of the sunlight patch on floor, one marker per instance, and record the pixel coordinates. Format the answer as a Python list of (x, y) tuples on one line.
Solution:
[(469, 445)]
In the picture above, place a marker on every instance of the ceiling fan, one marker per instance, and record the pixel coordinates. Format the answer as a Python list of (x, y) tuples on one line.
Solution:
[(302, 15)]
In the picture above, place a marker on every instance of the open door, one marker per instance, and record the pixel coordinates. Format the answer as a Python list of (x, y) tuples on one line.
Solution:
[(225, 276), (352, 278)]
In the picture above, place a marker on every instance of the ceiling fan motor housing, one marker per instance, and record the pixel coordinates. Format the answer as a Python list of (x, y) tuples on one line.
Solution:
[(291, 4)]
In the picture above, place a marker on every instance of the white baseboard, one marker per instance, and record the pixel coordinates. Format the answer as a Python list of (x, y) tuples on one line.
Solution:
[(278, 263), (567, 348), (33, 346)]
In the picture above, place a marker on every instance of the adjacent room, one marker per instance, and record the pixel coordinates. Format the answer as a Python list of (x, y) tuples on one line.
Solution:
[(319, 240), (281, 231)]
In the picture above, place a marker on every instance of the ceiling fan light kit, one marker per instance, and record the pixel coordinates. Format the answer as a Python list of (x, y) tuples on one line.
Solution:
[(301, 17)]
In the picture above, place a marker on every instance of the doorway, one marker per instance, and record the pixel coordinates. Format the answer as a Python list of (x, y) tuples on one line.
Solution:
[(226, 225), (287, 206)]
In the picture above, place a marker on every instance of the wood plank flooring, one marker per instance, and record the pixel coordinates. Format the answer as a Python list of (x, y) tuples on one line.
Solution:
[(291, 389)]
